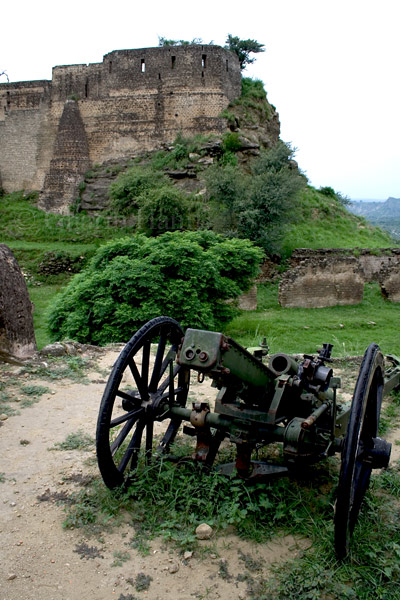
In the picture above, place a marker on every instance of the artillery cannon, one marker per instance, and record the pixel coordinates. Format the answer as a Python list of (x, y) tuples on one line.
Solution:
[(286, 400)]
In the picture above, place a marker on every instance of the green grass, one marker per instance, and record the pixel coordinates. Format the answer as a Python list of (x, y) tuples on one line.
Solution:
[(170, 500), (322, 222), (295, 330), (76, 441), (22, 221), (41, 296)]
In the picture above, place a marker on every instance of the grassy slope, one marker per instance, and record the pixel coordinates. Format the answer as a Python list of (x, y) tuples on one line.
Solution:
[(323, 222), (349, 328), (318, 222)]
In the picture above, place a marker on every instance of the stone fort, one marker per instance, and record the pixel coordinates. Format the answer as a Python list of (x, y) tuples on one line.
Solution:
[(51, 132)]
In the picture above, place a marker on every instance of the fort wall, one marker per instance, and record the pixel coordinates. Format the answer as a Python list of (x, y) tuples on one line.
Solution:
[(330, 277), (134, 101)]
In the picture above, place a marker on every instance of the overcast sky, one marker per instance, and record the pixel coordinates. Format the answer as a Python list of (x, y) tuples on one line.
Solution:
[(331, 68)]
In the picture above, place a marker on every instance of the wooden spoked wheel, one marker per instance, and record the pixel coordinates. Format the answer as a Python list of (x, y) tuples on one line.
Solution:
[(362, 449), (143, 384)]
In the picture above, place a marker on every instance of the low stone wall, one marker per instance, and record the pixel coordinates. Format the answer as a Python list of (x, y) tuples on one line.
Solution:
[(330, 277), (390, 283), (248, 301), (315, 284)]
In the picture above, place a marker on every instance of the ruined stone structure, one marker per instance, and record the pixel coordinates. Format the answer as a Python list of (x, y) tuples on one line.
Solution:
[(330, 277), (17, 338), (133, 101)]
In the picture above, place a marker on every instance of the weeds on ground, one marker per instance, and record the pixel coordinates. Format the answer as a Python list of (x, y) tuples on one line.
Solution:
[(69, 367), (170, 500), (76, 441), (33, 393), (13, 392), (120, 558)]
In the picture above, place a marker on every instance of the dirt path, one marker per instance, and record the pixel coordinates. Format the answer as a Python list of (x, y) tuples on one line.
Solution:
[(40, 559)]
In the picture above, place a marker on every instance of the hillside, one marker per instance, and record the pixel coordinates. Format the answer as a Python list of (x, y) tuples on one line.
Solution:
[(383, 214), (243, 184)]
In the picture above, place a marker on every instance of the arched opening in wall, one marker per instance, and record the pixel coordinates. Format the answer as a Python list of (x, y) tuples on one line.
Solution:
[(227, 65), (173, 61), (143, 65), (87, 88), (203, 61), (110, 66)]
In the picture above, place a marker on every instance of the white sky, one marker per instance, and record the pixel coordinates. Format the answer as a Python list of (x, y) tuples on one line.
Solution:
[(331, 68)]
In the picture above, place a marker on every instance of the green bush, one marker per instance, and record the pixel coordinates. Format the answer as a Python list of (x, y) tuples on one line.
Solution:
[(253, 88), (164, 209), (128, 190), (256, 206), (231, 142), (188, 276)]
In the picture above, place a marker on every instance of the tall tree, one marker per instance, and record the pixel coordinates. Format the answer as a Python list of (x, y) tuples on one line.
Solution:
[(243, 49)]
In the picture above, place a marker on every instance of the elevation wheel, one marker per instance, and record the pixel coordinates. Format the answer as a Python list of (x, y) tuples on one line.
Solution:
[(362, 449), (144, 383)]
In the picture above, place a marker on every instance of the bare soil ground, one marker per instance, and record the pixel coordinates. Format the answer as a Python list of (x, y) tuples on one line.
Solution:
[(41, 559)]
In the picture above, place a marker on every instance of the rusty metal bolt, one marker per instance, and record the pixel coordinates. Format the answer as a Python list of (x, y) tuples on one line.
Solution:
[(203, 356), (189, 353)]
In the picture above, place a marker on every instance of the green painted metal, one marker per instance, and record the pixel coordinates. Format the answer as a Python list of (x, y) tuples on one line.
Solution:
[(214, 353)]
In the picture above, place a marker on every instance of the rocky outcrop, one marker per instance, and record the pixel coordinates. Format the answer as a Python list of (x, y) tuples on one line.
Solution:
[(17, 338)]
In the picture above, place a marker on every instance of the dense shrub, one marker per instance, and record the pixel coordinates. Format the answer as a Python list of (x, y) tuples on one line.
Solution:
[(131, 187), (258, 205), (164, 209), (188, 276)]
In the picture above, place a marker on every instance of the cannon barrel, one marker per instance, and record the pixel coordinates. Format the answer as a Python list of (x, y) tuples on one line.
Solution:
[(223, 359)]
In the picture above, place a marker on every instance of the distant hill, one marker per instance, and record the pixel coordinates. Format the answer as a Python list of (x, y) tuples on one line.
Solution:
[(383, 214)]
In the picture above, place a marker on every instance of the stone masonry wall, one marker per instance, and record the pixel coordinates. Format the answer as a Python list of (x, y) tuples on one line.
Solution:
[(330, 277), (135, 100), (318, 283)]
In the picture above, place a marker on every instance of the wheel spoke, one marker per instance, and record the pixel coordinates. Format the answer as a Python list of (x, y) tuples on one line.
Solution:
[(132, 452), (127, 396), (170, 357), (119, 440), (141, 384), (155, 377), (169, 436), (126, 417), (166, 383), (146, 361)]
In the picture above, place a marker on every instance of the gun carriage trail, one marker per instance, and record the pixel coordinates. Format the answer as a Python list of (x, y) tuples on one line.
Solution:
[(41, 559)]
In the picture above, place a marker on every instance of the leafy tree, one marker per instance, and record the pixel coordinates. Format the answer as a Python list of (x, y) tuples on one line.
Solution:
[(4, 73), (226, 186), (243, 49), (188, 276), (258, 205), (330, 193), (162, 41), (275, 183)]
